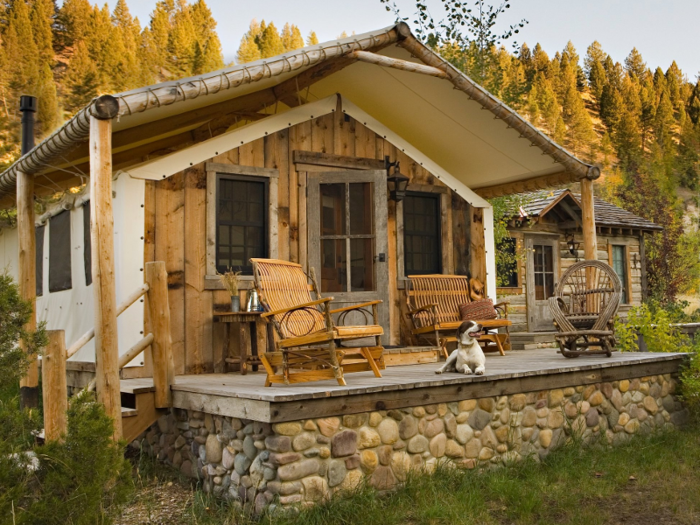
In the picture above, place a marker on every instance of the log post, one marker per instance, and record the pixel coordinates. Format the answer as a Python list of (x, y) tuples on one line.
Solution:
[(590, 244), (161, 348), (477, 245), (55, 390), (29, 384), (103, 272)]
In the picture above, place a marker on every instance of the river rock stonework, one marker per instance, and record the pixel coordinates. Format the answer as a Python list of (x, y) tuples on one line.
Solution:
[(308, 460)]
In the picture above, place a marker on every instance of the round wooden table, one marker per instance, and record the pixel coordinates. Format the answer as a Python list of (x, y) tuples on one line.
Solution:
[(250, 347)]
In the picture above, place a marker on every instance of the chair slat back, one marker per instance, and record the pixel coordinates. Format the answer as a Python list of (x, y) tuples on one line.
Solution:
[(447, 291), (283, 284)]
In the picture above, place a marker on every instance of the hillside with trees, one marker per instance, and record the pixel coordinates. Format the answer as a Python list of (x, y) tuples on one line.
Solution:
[(640, 123)]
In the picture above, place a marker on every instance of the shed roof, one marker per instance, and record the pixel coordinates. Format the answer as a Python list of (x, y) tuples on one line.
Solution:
[(461, 127), (538, 204)]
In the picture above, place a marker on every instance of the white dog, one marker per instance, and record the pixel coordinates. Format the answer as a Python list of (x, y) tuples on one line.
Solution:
[(468, 357)]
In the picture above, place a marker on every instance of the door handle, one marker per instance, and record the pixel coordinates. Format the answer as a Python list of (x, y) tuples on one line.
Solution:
[(380, 257)]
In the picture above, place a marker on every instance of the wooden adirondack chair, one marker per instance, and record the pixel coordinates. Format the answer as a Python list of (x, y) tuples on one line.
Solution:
[(433, 308), (584, 306), (308, 347)]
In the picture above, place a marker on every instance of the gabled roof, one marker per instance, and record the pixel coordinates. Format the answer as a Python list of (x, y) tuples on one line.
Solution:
[(540, 203), (387, 74)]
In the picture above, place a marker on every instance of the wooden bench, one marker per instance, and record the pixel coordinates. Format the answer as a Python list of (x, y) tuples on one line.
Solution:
[(308, 347), (433, 308)]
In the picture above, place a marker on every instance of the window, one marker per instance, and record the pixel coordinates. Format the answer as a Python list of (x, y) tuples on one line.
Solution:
[(87, 244), (39, 260), (619, 264), (421, 234), (544, 271), (60, 253), (507, 264), (241, 221), (347, 237)]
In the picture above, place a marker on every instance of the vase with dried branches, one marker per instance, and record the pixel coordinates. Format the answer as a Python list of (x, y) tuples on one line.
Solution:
[(231, 280)]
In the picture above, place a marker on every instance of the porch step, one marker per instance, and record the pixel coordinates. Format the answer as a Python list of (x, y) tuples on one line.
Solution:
[(138, 407), (532, 340), (129, 412)]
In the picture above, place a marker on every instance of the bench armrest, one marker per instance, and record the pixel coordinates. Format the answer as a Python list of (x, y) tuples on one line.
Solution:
[(297, 307), (502, 308), (354, 307)]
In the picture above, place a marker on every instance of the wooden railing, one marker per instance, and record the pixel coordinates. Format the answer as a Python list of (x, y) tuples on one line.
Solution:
[(55, 355)]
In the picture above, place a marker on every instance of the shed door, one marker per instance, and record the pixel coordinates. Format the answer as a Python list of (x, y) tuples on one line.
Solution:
[(542, 277), (347, 232)]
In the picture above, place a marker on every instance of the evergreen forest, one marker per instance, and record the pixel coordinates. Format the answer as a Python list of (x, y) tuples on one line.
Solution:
[(639, 122)]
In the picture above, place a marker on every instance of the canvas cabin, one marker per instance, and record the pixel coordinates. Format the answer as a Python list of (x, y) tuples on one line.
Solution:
[(287, 158), (546, 238)]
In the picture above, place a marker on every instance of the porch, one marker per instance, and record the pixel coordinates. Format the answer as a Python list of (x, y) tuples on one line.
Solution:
[(244, 396)]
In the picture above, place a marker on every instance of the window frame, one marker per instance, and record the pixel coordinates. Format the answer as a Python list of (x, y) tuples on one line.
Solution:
[(63, 254), (627, 297), (436, 197), (271, 177), (518, 270)]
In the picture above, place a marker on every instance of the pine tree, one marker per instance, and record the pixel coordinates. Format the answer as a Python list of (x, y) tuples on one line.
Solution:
[(291, 38), (74, 21), (249, 51), (312, 39), (182, 41), (635, 65), (578, 121), (159, 34), (208, 55), (42, 16), (81, 79), (269, 41)]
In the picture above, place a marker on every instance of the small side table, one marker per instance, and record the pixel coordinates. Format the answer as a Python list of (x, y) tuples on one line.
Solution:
[(250, 347)]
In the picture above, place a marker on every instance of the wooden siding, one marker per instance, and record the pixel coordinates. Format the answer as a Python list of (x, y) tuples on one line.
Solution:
[(176, 215)]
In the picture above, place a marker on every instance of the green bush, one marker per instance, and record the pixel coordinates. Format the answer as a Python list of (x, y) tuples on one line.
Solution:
[(77, 481), (690, 385), (656, 325)]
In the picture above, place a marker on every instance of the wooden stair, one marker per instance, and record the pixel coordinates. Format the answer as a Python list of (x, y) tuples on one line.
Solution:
[(532, 340), (138, 407)]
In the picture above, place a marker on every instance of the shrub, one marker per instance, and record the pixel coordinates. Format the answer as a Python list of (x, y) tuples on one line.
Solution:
[(690, 385), (655, 324), (77, 481)]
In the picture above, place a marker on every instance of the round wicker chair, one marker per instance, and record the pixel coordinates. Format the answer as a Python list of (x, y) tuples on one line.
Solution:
[(584, 306)]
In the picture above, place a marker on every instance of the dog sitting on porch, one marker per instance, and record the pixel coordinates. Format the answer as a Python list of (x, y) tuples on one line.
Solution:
[(468, 357)]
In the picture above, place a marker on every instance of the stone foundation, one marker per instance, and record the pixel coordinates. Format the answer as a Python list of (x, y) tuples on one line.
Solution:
[(307, 460)]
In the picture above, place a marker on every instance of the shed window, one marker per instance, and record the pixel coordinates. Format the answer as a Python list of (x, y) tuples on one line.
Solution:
[(241, 221), (507, 265), (39, 260), (59, 252), (619, 264), (421, 234), (87, 244)]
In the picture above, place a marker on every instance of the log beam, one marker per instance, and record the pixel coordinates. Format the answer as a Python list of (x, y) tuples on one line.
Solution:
[(29, 384), (540, 182), (590, 243), (395, 63), (55, 389), (103, 271)]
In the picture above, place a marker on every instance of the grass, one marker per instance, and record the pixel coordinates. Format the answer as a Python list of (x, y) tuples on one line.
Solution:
[(651, 480)]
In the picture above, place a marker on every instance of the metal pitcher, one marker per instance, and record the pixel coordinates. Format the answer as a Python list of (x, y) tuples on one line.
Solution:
[(253, 304)]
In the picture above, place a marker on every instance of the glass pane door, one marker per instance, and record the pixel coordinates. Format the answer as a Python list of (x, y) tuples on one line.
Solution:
[(544, 271), (347, 237)]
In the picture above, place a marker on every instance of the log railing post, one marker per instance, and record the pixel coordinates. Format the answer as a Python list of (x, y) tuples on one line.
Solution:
[(161, 348), (29, 384), (55, 390), (103, 272)]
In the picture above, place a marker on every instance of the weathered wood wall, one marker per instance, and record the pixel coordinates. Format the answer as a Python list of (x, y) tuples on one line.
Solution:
[(176, 228)]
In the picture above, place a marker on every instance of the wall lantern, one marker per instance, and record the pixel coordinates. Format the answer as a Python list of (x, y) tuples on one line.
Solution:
[(398, 182), (572, 244)]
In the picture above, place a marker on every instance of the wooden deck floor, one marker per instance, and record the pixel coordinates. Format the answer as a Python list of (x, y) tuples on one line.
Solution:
[(245, 396)]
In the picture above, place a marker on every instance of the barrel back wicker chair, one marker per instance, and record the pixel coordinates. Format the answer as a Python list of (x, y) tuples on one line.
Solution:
[(584, 306), (307, 346)]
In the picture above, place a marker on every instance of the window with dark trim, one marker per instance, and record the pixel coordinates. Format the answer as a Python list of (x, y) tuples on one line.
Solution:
[(421, 234), (59, 253), (619, 264), (241, 221), (39, 259), (87, 244), (507, 267)]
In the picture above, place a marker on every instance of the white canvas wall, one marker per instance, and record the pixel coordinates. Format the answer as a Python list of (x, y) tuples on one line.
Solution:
[(72, 310)]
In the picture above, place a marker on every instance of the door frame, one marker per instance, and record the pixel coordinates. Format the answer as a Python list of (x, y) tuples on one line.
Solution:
[(380, 217), (534, 305)]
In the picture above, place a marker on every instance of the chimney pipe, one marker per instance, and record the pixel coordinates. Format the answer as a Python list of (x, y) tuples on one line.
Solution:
[(27, 106)]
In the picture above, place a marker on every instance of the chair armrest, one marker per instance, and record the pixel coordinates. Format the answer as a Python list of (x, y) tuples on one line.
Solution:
[(421, 309), (297, 307), (354, 307), (503, 307)]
